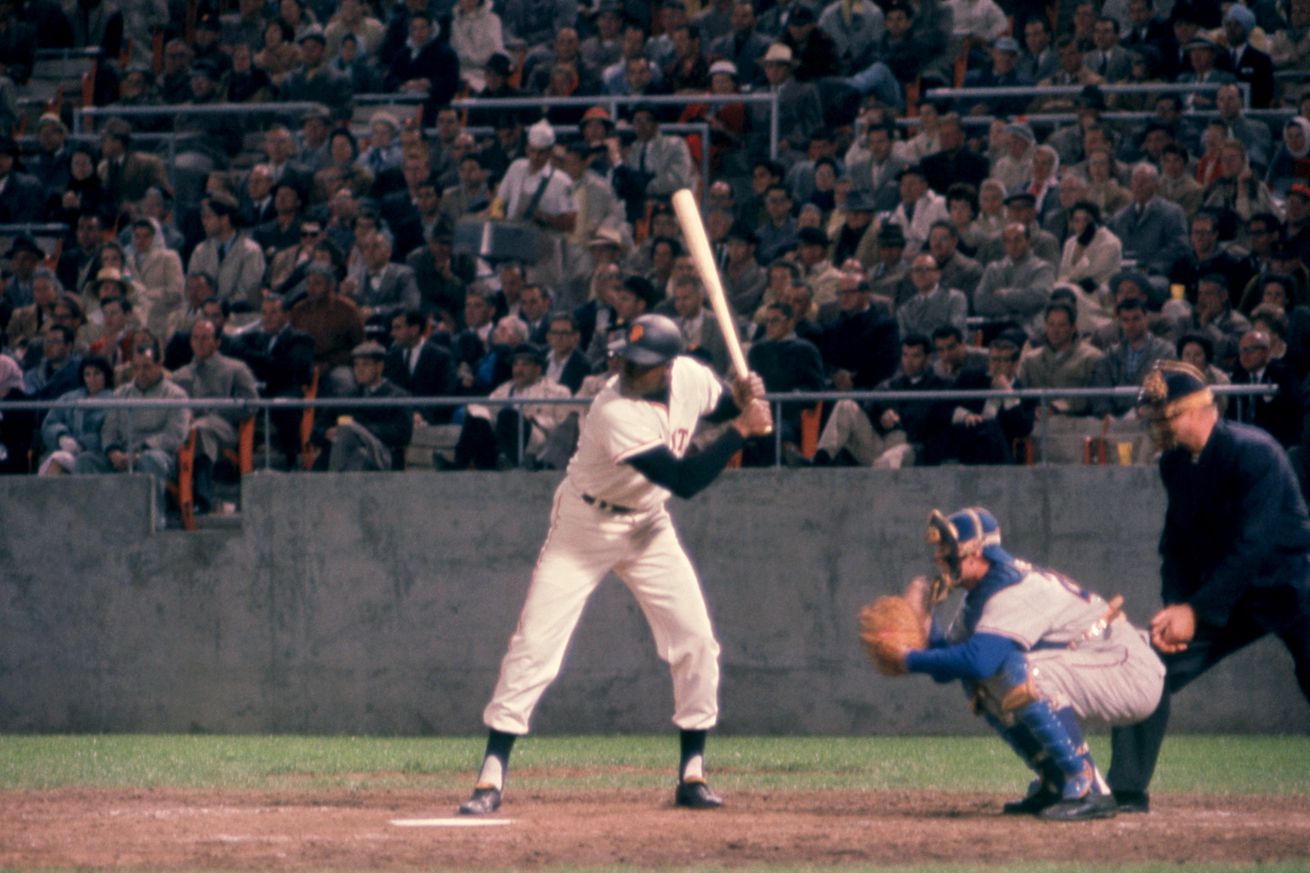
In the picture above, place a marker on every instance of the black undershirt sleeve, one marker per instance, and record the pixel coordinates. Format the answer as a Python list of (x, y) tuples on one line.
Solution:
[(725, 410), (686, 477)]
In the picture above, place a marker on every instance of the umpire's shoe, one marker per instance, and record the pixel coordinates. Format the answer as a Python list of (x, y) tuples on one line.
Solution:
[(1090, 806), (695, 794), (1132, 801), (485, 799)]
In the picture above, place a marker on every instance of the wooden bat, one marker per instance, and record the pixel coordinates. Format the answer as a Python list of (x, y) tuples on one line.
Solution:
[(693, 231)]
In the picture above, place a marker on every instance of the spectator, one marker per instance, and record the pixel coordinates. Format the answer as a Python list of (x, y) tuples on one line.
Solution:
[(889, 277), (879, 173), (1108, 59), (1206, 256), (21, 195), (532, 190), (778, 234), (353, 18), (743, 278), (920, 207), (1001, 73), (1039, 58), (335, 324), (69, 432), (701, 331), (232, 258), (956, 162), (420, 366), (282, 360), (892, 434), (958, 270), (1197, 350), (985, 431), (1064, 360), (1018, 287), (49, 165), (565, 362), (787, 363), (126, 174), (144, 439), (1291, 161), (315, 81), (1280, 413), (1092, 252), (1177, 185), (1014, 166), (1126, 363), (31, 320), (657, 164), (1202, 52), (744, 45), (475, 35), (364, 437), (60, 368), (382, 287), (213, 375), (491, 437), (799, 111), (1151, 229), (1236, 192), (1250, 65), (934, 304), (427, 66)]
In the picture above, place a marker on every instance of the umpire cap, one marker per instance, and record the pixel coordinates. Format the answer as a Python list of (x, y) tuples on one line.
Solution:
[(649, 341), (1172, 387)]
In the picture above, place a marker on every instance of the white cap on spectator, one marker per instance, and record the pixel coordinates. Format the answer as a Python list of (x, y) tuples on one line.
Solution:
[(541, 135), (727, 67)]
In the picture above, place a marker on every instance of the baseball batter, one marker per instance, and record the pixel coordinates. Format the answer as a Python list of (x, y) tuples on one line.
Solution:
[(1038, 654), (609, 514)]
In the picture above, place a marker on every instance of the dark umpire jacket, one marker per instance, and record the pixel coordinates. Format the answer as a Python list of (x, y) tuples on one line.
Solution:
[(1236, 533)]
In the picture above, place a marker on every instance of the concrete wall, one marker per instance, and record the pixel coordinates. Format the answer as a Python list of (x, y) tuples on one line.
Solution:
[(380, 604)]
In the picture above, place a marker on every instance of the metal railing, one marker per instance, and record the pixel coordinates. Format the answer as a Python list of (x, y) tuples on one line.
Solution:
[(183, 110), (1075, 90), (611, 102), (265, 407)]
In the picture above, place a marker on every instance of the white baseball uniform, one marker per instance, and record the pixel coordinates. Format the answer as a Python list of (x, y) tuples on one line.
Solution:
[(1112, 676), (608, 516)]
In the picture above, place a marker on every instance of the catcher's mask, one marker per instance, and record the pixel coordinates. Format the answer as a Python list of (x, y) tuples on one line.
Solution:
[(970, 531)]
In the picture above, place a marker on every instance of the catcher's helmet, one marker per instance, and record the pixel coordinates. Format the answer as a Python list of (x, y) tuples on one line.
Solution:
[(970, 531), (649, 341)]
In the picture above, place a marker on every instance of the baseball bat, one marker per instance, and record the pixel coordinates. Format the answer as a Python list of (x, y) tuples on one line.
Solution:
[(684, 204)]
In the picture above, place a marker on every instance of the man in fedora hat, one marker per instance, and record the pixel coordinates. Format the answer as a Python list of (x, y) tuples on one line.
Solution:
[(800, 112)]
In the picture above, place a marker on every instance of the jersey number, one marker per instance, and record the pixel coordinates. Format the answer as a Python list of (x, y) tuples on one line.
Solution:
[(679, 440)]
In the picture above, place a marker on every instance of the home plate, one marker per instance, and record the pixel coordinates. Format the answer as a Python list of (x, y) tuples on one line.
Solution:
[(460, 822)]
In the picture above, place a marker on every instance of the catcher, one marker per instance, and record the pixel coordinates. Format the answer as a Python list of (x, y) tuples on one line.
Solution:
[(1036, 653)]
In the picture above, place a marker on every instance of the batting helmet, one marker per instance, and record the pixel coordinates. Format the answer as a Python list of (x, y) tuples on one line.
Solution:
[(649, 341)]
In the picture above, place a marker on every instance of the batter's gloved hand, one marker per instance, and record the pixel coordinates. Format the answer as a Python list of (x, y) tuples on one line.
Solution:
[(890, 628)]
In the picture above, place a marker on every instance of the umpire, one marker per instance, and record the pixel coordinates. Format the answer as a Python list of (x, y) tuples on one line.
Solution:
[(1235, 555)]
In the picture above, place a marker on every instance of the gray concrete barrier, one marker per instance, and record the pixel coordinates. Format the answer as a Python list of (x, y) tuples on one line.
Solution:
[(381, 604)]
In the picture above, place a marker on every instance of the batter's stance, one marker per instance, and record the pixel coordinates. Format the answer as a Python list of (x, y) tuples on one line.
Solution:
[(609, 514)]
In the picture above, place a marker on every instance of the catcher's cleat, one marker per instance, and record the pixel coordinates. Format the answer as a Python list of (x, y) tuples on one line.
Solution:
[(695, 794), (484, 800), (1040, 796), (1091, 806), (1132, 801)]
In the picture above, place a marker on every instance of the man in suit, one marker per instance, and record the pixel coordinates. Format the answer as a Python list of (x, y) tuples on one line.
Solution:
[(1279, 414), (1144, 29), (1018, 286), (21, 196), (800, 112), (426, 65), (859, 346), (421, 367), (282, 359), (257, 197), (1203, 54), (956, 162), (1127, 362), (385, 287), (1248, 63), (535, 304), (440, 287), (365, 437), (1108, 59), (280, 149), (50, 164), (233, 258), (700, 329), (565, 362), (126, 174), (744, 45), (316, 81), (1153, 230), (880, 173)]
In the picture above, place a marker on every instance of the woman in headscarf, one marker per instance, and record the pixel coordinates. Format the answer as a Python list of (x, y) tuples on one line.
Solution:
[(1291, 163), (158, 270)]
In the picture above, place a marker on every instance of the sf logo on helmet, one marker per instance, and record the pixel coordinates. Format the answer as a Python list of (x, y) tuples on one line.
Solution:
[(636, 333)]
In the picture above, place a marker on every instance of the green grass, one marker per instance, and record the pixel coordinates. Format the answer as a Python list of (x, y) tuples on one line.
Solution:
[(1276, 765)]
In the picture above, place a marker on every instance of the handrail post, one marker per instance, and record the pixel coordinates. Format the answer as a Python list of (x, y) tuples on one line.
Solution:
[(1045, 415), (268, 439), (773, 126)]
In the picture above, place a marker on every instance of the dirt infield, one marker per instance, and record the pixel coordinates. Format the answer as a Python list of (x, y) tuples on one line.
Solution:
[(171, 829)]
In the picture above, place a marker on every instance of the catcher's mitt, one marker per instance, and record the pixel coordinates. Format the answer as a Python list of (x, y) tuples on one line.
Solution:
[(889, 625)]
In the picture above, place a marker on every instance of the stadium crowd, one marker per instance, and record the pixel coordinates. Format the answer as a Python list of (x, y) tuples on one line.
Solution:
[(887, 237)]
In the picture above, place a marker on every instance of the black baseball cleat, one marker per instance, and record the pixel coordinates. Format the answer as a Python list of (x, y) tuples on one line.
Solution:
[(1132, 801), (695, 794), (1086, 808), (484, 800), (1040, 796)]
